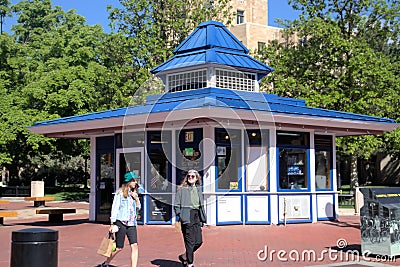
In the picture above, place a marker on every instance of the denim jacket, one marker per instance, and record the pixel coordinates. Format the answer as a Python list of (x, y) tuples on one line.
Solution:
[(120, 208)]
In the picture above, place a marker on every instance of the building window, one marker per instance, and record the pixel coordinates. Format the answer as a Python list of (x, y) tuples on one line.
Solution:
[(158, 166), (257, 167), (323, 162), (187, 80), (228, 159), (261, 46), (235, 80), (293, 139), (293, 160), (239, 17), (188, 152)]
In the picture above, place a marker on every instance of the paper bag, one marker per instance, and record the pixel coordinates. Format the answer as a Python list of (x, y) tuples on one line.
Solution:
[(178, 226), (106, 246)]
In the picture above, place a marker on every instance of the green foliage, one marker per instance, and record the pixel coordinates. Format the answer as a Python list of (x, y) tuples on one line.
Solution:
[(67, 193), (5, 11), (346, 59), (54, 65), (157, 27)]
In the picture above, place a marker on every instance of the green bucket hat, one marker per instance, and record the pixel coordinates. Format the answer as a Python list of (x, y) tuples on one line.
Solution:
[(129, 176)]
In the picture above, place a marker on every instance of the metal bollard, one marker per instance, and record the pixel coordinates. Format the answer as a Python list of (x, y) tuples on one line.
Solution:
[(34, 247)]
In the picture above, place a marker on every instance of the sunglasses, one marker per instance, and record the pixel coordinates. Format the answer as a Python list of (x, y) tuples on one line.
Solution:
[(191, 176)]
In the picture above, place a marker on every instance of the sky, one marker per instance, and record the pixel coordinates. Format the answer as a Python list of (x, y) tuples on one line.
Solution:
[(95, 11)]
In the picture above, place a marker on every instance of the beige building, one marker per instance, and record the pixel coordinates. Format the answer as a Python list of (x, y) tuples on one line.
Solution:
[(251, 24)]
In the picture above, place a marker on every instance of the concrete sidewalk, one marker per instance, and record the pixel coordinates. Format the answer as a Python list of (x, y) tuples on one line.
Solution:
[(235, 245)]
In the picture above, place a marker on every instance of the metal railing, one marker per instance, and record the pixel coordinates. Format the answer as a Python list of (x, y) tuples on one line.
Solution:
[(15, 191)]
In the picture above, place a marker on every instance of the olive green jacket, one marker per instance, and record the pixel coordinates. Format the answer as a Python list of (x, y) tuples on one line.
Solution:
[(183, 204)]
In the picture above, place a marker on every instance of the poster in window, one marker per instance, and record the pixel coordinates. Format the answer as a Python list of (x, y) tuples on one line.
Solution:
[(159, 208), (233, 185), (189, 152), (221, 151), (296, 207)]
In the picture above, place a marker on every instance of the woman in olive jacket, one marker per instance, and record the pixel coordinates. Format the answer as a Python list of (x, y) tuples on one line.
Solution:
[(189, 207)]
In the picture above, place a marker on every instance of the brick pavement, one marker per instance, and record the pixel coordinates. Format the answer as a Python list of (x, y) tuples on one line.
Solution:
[(236, 245)]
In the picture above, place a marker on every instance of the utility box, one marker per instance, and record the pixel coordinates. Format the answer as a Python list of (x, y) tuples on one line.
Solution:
[(380, 221)]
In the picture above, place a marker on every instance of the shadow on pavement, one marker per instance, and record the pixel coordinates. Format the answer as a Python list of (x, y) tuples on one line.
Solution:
[(166, 263), (348, 248), (343, 224), (47, 223)]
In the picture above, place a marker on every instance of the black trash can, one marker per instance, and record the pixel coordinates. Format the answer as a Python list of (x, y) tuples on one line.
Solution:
[(34, 247)]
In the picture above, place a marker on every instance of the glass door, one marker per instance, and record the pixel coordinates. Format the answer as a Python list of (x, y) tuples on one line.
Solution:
[(131, 160), (105, 181)]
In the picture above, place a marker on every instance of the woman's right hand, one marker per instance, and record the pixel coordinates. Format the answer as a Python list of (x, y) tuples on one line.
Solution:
[(135, 196)]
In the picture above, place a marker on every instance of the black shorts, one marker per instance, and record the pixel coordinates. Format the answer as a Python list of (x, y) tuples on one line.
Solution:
[(129, 231)]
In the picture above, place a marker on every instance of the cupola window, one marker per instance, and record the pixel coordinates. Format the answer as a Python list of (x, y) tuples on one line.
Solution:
[(235, 80), (187, 80)]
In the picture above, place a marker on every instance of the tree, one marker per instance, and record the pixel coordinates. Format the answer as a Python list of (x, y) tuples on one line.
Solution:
[(155, 27), (346, 60), (56, 67), (5, 11)]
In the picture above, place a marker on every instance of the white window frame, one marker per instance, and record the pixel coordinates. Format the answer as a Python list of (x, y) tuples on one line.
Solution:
[(235, 80), (188, 80)]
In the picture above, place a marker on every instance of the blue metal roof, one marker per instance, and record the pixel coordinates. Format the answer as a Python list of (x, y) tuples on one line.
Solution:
[(212, 43), (208, 35), (220, 98)]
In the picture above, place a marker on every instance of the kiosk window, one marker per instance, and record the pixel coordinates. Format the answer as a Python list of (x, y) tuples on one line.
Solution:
[(323, 162), (158, 167), (293, 139), (228, 158), (257, 167), (292, 169), (188, 153)]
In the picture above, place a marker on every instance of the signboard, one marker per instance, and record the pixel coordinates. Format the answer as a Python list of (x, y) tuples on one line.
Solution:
[(257, 208), (189, 152), (159, 208), (189, 136), (229, 209), (295, 207)]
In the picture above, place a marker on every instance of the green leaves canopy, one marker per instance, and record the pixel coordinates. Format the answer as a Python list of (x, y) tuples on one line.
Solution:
[(346, 59)]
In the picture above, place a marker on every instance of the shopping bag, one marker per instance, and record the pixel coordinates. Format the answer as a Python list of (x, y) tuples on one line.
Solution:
[(106, 245)]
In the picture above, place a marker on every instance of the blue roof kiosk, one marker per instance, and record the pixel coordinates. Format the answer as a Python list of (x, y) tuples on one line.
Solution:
[(264, 159)]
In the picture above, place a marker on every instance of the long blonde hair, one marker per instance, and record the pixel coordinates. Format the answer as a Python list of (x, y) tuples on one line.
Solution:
[(125, 188), (185, 180)]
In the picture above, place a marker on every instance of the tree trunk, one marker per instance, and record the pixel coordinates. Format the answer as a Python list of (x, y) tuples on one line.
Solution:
[(353, 174)]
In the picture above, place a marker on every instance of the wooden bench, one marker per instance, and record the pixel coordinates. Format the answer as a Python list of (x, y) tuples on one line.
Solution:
[(346, 200), (39, 201), (3, 201), (55, 214), (4, 213)]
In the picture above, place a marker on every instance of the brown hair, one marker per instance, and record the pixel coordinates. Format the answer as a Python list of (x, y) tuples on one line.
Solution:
[(125, 188)]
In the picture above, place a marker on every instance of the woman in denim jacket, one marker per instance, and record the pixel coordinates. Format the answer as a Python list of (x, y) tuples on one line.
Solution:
[(125, 207), (189, 207)]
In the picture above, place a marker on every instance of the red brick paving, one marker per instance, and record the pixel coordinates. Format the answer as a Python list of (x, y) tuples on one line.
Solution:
[(235, 245)]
